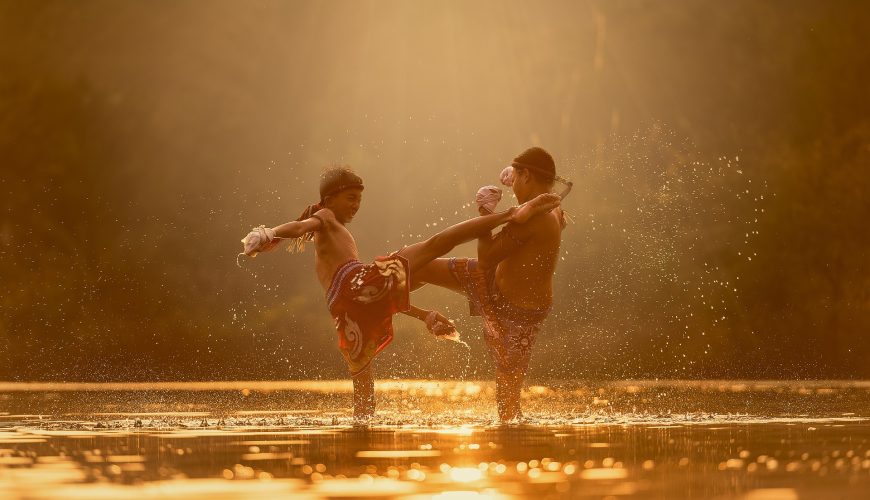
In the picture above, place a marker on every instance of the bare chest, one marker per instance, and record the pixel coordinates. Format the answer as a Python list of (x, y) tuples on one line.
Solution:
[(333, 247)]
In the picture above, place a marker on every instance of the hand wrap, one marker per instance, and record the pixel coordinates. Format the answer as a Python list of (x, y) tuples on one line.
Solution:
[(487, 198), (260, 239)]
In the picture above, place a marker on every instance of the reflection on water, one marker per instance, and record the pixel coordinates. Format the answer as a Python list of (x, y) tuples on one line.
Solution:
[(754, 440)]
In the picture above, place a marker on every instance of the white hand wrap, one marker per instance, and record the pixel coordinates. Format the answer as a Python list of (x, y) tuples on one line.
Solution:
[(488, 197), (507, 176), (258, 240)]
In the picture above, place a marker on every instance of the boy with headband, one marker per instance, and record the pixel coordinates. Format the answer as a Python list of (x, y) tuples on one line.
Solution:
[(510, 284), (363, 298)]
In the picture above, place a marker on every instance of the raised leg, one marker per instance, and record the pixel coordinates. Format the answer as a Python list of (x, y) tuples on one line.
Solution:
[(436, 273), (420, 254)]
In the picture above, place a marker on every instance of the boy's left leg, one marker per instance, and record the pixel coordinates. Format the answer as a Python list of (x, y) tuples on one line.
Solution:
[(364, 395), (508, 390), (511, 349)]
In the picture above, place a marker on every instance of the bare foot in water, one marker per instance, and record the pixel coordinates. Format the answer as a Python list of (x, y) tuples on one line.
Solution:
[(540, 204)]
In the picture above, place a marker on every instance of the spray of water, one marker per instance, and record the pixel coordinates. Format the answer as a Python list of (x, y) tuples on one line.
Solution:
[(654, 262)]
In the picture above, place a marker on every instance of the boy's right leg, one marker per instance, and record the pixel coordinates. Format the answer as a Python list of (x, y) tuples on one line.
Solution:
[(436, 273)]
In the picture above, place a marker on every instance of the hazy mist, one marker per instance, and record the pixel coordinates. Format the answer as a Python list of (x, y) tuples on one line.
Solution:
[(720, 153)]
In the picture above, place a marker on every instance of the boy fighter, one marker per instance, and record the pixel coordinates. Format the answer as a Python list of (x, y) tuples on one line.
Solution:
[(363, 298), (510, 284)]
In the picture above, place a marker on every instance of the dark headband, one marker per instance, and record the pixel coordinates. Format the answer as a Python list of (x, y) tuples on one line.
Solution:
[(342, 187), (333, 182), (548, 174)]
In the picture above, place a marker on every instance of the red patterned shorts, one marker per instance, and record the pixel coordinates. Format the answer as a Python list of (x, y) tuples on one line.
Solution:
[(363, 299)]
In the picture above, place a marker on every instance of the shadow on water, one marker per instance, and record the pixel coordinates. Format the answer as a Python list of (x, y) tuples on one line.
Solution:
[(661, 439)]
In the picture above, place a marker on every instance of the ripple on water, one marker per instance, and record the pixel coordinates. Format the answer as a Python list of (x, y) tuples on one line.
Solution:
[(440, 438)]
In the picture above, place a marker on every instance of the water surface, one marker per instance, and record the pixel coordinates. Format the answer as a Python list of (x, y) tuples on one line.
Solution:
[(436, 439)]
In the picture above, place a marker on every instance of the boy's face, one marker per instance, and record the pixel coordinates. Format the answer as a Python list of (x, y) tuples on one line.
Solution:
[(522, 178), (345, 204)]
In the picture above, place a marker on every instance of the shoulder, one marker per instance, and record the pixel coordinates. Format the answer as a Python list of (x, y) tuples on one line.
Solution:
[(325, 219), (538, 225), (325, 215)]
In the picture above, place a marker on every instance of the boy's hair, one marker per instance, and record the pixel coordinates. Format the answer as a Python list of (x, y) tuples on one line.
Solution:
[(337, 178), (539, 163), (333, 180)]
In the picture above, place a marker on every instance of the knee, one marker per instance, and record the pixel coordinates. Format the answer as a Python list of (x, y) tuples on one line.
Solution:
[(419, 278)]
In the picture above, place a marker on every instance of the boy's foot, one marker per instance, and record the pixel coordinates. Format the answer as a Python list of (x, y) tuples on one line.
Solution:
[(540, 204), (362, 421)]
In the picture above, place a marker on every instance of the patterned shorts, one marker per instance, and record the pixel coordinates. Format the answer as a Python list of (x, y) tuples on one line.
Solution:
[(509, 330), (362, 300)]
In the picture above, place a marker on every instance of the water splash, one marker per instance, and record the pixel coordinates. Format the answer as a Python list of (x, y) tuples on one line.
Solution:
[(455, 337)]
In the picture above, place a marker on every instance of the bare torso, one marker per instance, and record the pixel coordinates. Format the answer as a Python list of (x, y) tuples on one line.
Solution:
[(333, 245), (525, 277)]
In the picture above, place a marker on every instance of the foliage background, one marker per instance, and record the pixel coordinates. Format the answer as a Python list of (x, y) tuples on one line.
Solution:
[(140, 140)]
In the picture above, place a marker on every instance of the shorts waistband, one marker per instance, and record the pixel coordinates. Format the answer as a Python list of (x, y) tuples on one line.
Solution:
[(337, 278)]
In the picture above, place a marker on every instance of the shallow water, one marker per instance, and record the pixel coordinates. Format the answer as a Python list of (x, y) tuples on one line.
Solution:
[(644, 439)]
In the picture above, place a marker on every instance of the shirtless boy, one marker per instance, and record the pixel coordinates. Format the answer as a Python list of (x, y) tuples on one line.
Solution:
[(510, 284), (363, 298)]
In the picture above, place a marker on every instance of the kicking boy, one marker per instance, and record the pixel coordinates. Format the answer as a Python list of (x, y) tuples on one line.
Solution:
[(510, 284), (363, 298)]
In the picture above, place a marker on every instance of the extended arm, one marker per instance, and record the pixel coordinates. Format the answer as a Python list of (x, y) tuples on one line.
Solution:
[(436, 323), (263, 239), (296, 229), (416, 312)]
